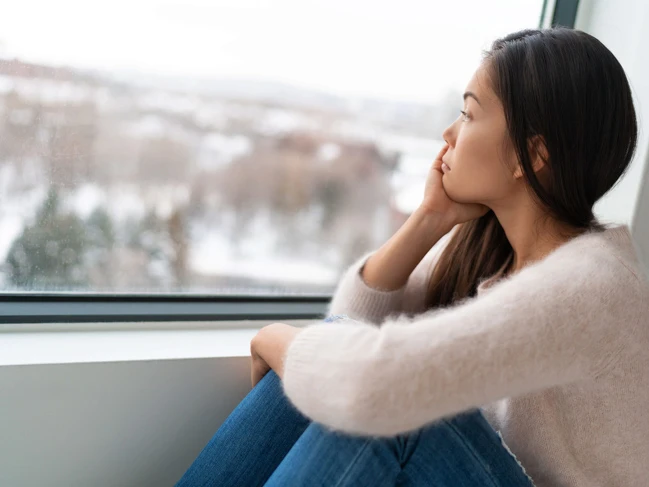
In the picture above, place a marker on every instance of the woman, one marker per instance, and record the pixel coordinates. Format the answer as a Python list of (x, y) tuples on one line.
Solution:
[(504, 308)]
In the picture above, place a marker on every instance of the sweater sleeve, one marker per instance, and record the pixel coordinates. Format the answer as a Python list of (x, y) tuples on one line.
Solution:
[(553, 322), (354, 298)]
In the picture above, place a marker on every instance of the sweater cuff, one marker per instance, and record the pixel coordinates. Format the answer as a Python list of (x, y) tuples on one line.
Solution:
[(307, 358), (362, 302), (297, 368)]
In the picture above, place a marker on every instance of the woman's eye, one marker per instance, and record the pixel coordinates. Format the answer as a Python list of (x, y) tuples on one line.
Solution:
[(466, 116)]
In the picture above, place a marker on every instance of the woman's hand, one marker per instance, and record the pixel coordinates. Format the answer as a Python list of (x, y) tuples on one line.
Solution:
[(437, 201), (268, 349), (258, 369)]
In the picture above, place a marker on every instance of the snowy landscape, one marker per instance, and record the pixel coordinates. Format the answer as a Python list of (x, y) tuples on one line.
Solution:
[(130, 183)]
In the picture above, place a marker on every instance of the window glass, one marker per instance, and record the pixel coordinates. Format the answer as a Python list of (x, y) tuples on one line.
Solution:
[(228, 147)]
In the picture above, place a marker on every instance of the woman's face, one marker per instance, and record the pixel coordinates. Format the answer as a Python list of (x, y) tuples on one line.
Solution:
[(480, 171)]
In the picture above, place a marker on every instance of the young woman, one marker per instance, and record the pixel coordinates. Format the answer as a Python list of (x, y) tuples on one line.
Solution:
[(501, 309)]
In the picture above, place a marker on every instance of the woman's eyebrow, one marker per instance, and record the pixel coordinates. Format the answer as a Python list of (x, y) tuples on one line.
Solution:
[(472, 95)]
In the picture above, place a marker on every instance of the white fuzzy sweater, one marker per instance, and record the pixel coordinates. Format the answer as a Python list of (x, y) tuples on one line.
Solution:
[(556, 355)]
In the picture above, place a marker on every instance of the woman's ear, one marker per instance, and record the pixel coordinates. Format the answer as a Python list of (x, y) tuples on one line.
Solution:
[(538, 152), (538, 155)]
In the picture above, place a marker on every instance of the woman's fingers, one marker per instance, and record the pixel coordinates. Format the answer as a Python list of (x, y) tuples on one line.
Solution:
[(437, 163)]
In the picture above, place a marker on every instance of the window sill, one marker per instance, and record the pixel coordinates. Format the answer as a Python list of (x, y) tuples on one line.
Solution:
[(89, 343)]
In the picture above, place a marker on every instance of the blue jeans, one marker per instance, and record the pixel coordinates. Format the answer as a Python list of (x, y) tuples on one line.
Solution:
[(266, 441)]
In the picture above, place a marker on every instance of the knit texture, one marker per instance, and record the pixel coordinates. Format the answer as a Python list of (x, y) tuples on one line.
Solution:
[(556, 355)]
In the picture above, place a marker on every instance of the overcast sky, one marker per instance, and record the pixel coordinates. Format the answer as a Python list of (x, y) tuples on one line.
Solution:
[(400, 49)]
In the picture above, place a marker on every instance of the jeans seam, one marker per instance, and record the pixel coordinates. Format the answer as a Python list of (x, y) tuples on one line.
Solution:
[(502, 441), (352, 463), (474, 453)]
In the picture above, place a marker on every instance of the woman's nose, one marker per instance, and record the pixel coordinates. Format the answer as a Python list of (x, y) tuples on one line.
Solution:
[(448, 135)]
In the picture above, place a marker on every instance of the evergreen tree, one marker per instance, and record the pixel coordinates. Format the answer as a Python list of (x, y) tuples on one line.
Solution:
[(49, 254)]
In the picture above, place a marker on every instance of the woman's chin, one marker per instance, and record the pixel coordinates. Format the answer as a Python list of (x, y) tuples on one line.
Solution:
[(457, 196)]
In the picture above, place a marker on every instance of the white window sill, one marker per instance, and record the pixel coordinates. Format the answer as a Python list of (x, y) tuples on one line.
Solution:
[(92, 342)]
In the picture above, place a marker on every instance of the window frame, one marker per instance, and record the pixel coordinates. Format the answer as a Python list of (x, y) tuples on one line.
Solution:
[(79, 308), (45, 307)]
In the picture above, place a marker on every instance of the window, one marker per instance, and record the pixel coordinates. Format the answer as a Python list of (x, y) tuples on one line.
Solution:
[(224, 148)]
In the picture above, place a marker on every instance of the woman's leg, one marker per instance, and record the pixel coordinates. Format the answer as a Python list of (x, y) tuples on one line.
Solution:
[(252, 441), (463, 451), (325, 458)]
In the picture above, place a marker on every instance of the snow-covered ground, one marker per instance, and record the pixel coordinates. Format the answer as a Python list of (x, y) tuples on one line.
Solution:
[(215, 255)]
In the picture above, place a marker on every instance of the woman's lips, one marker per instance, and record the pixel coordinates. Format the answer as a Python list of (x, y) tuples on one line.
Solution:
[(445, 167)]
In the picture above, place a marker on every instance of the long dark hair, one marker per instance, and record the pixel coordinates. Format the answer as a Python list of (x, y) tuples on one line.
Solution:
[(565, 86)]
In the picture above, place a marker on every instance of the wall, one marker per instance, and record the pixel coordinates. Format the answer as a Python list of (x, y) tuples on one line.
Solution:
[(622, 27), (137, 423)]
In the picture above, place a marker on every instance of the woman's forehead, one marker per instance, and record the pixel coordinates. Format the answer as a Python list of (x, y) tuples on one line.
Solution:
[(480, 85)]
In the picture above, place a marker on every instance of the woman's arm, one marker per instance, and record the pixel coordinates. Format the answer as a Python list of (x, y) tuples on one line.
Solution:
[(389, 268), (381, 282), (554, 322)]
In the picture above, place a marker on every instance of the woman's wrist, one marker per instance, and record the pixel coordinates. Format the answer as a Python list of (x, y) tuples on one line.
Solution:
[(272, 342), (389, 268), (432, 223)]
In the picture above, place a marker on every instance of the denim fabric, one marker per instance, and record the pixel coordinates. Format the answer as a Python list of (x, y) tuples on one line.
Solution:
[(333, 318), (266, 441)]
